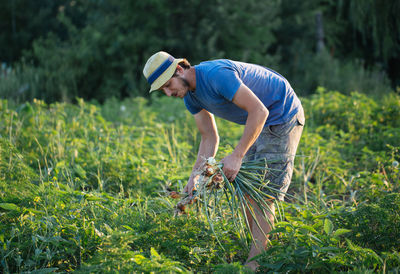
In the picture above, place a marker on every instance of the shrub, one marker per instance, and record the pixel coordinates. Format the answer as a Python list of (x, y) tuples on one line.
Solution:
[(375, 225)]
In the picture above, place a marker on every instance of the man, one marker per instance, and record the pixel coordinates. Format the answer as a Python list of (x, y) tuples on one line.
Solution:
[(247, 94)]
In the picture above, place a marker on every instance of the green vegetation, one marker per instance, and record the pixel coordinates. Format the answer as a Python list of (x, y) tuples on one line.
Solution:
[(82, 189)]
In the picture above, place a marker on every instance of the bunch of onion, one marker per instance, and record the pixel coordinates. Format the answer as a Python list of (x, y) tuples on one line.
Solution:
[(208, 178), (243, 196)]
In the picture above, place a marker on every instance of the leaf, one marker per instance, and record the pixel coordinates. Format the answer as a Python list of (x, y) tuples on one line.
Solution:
[(283, 223), (80, 171), (154, 254), (107, 196), (307, 214), (127, 227), (308, 228), (4, 242), (10, 206), (61, 164), (277, 230), (89, 197), (35, 211), (315, 238), (139, 259), (341, 231), (328, 226), (328, 249), (108, 228)]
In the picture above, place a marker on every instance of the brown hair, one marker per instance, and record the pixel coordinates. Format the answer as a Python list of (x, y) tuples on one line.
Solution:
[(184, 64)]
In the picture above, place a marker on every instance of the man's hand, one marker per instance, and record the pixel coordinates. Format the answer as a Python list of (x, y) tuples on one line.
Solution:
[(231, 166), (190, 185)]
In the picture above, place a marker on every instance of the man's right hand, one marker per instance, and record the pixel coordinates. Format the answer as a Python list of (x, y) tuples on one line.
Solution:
[(190, 186)]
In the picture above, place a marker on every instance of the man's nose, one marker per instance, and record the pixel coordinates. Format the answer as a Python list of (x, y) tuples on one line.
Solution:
[(167, 92)]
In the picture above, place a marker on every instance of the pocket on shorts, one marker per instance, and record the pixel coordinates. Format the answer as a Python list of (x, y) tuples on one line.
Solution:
[(283, 130)]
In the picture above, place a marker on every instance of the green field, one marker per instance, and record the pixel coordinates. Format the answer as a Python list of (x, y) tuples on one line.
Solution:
[(82, 189)]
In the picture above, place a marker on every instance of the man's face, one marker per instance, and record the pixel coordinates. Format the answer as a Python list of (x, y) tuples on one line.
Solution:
[(177, 86)]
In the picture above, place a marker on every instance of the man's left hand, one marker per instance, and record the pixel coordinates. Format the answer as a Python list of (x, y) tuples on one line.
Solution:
[(231, 166)]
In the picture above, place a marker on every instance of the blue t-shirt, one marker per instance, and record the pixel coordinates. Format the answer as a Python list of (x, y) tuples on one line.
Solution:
[(217, 82)]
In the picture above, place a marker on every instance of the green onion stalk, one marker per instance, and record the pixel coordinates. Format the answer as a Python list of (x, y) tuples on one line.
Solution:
[(246, 195)]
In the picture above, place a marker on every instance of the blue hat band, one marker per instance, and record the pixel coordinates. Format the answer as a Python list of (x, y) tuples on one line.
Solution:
[(160, 70)]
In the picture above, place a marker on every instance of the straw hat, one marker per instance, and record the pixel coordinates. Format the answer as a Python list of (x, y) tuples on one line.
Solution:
[(159, 69)]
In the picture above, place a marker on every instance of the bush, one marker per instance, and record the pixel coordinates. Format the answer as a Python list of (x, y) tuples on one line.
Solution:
[(375, 225)]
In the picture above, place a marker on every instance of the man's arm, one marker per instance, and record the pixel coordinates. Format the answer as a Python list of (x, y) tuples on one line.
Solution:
[(208, 145), (257, 115)]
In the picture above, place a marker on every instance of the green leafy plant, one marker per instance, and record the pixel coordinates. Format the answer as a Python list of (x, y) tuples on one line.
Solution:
[(81, 189)]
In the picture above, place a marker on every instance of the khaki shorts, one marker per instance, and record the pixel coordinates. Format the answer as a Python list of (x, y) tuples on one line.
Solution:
[(278, 145)]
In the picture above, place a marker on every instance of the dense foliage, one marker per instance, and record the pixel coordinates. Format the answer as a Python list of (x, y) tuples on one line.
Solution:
[(59, 50), (81, 189)]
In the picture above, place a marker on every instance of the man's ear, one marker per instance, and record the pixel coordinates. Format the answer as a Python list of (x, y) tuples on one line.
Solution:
[(179, 70)]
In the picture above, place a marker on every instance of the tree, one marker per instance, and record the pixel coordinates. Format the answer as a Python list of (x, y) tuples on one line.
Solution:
[(106, 47), (23, 21)]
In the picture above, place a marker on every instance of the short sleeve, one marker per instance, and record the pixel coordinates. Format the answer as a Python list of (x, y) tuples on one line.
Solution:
[(225, 81), (193, 109)]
